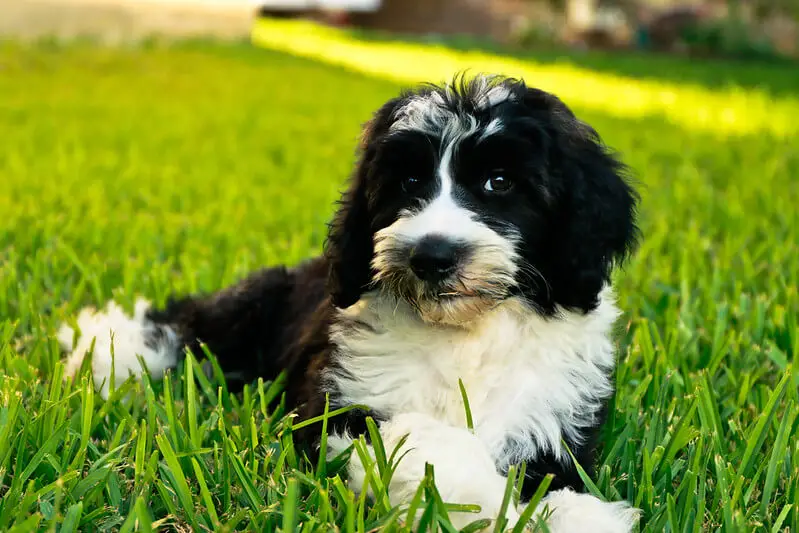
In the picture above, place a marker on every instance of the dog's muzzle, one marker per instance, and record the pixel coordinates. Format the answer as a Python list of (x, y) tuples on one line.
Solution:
[(447, 280)]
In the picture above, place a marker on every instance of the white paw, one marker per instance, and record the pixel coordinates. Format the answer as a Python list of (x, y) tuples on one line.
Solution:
[(464, 471), (573, 512), (131, 337)]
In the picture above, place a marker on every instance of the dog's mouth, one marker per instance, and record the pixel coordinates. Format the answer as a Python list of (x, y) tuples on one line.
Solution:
[(454, 303), (457, 309)]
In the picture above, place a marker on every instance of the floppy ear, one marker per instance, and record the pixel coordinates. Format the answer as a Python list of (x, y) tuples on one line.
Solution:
[(349, 247), (596, 207)]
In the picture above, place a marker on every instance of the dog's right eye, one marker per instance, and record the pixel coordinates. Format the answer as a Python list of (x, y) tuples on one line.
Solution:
[(411, 184)]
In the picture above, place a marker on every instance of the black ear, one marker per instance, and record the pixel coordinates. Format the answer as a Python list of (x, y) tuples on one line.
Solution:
[(349, 247), (595, 212)]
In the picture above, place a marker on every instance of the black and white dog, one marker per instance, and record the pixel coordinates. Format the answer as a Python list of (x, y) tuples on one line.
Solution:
[(476, 242)]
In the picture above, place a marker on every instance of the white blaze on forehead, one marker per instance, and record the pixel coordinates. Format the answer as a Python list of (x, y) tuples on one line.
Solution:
[(453, 134)]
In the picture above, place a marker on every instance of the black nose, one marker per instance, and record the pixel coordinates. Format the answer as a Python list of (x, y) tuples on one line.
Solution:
[(434, 258)]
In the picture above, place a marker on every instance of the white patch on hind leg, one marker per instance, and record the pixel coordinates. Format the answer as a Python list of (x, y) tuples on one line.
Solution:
[(132, 337)]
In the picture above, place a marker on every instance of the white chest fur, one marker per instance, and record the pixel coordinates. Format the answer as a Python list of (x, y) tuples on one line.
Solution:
[(530, 381)]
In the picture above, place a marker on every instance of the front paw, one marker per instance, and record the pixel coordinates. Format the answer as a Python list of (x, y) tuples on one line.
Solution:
[(465, 473), (573, 512)]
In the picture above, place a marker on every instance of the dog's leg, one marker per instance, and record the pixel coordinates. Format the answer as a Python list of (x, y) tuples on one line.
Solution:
[(237, 325), (464, 470)]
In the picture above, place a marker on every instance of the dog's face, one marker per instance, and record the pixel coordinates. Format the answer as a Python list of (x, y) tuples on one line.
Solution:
[(471, 193)]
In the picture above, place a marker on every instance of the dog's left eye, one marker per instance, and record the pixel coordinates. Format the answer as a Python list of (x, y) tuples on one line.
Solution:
[(497, 183)]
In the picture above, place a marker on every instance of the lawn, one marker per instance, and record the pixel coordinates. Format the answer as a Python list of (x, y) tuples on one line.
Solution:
[(151, 169)]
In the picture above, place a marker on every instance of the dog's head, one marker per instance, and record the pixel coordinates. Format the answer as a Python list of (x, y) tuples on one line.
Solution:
[(480, 190)]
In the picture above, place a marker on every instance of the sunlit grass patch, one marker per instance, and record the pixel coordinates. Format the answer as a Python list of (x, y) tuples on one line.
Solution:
[(732, 111)]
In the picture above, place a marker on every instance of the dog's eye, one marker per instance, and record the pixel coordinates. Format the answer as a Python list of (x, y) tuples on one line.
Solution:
[(497, 183), (411, 184)]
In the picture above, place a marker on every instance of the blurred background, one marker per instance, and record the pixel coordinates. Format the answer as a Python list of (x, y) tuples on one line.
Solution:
[(743, 28), (737, 28)]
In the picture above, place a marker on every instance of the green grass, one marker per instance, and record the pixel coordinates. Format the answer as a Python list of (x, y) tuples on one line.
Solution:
[(148, 170)]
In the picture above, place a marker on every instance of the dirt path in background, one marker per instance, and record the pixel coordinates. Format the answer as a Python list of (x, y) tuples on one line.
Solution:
[(119, 21)]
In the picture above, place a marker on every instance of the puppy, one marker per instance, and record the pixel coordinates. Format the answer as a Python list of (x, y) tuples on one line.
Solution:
[(475, 243)]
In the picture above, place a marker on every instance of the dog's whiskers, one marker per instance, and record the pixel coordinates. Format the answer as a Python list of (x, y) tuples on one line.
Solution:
[(533, 273)]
